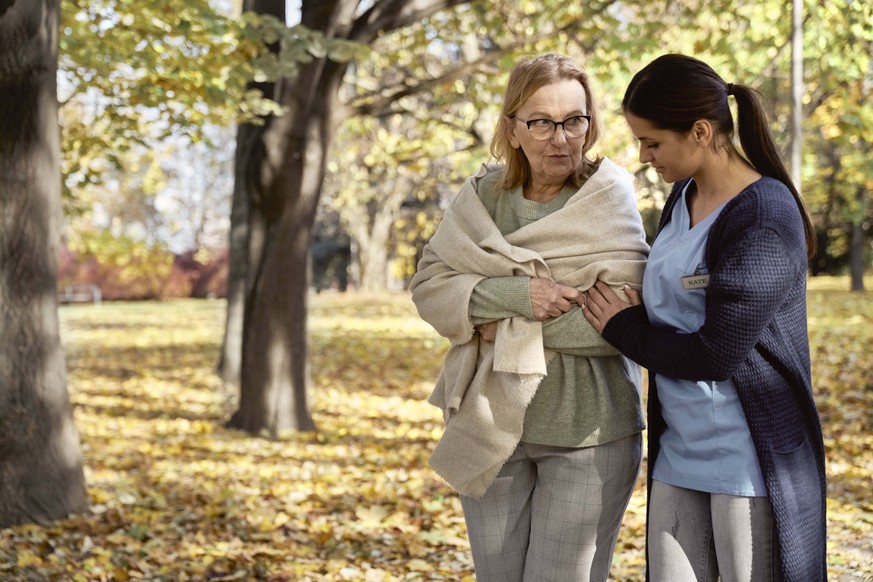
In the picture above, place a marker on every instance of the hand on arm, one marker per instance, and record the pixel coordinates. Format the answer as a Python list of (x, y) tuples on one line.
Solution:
[(600, 303), (547, 299), (752, 280), (488, 331), (550, 299), (573, 335)]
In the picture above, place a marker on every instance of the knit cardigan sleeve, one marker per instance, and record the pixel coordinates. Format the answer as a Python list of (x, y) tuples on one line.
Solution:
[(755, 253)]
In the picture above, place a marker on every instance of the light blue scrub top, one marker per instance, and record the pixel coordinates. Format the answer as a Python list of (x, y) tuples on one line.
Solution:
[(707, 445)]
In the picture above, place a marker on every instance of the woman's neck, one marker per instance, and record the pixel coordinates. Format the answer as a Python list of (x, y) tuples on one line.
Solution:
[(717, 183), (542, 193)]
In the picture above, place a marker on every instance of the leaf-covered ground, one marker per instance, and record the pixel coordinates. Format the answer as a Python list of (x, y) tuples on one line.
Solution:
[(175, 496)]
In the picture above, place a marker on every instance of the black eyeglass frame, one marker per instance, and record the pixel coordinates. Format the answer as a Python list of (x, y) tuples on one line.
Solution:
[(555, 125)]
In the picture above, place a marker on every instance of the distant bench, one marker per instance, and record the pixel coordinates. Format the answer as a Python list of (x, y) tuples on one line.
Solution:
[(80, 294)]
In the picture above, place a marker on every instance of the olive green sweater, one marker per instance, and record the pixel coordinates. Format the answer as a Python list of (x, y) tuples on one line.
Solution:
[(591, 394)]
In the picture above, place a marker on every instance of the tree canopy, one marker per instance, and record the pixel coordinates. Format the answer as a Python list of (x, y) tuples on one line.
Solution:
[(135, 74)]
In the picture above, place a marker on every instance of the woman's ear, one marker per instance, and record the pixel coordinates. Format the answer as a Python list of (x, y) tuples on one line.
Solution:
[(703, 132), (509, 124)]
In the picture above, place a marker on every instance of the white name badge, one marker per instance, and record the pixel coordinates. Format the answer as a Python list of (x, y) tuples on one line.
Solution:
[(695, 282)]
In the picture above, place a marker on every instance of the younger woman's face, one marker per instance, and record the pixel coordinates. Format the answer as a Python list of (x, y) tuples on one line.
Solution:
[(675, 156)]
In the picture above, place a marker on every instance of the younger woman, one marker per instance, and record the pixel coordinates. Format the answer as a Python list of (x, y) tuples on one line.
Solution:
[(736, 460)]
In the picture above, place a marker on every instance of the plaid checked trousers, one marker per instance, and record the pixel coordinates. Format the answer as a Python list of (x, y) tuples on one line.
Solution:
[(553, 513)]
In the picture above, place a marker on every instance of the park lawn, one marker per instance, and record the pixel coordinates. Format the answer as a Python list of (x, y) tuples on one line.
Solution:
[(176, 496)]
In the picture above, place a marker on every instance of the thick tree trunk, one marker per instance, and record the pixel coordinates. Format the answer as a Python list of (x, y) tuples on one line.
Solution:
[(274, 377), (371, 249), (41, 476)]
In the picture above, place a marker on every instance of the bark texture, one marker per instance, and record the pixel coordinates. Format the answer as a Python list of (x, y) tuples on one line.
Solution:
[(41, 477)]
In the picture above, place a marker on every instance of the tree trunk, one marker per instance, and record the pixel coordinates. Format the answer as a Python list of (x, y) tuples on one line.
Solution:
[(796, 92), (274, 389), (41, 476), (244, 243), (248, 155), (284, 187), (374, 268), (372, 233), (856, 250)]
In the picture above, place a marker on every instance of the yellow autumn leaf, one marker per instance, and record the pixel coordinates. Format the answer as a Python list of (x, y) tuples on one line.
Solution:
[(418, 566), (27, 559), (370, 517)]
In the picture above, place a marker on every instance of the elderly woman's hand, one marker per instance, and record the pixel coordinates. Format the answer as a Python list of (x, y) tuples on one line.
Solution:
[(488, 331), (550, 299), (600, 303)]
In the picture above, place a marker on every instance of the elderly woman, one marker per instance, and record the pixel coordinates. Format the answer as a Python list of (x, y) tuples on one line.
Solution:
[(543, 417)]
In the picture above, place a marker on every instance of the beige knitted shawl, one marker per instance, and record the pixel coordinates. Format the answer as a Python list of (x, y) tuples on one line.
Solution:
[(484, 388)]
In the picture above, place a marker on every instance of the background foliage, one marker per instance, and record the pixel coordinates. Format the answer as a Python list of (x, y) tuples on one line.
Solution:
[(146, 92), (174, 495)]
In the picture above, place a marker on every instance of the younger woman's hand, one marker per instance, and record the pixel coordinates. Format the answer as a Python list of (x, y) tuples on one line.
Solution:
[(600, 303)]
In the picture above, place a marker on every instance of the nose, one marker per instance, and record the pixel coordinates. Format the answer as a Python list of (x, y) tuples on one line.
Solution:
[(645, 156), (563, 136)]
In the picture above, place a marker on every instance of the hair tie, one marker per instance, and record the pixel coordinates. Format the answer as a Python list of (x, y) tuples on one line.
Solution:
[(730, 88)]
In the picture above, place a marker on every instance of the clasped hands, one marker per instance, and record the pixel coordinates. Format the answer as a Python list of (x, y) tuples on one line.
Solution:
[(549, 299)]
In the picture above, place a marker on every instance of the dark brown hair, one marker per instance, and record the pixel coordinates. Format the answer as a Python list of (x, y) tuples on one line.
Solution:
[(674, 91)]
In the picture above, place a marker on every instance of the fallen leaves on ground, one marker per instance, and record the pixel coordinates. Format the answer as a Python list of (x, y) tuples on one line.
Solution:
[(176, 496)]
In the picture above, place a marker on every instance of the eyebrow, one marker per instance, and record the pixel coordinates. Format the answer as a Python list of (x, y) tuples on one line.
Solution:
[(544, 115)]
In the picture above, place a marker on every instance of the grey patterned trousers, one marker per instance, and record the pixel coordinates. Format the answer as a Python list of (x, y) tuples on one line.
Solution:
[(553, 513)]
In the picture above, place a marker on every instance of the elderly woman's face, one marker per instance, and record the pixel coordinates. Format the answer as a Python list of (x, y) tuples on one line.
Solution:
[(553, 160)]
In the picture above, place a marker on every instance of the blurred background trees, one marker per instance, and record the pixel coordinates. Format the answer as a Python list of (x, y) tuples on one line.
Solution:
[(142, 87)]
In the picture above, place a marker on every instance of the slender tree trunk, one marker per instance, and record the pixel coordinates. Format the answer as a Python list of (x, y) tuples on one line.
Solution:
[(230, 361), (856, 250), (248, 155), (797, 92), (245, 238), (41, 476)]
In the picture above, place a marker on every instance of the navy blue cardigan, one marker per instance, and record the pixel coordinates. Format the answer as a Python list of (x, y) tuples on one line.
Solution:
[(754, 332)]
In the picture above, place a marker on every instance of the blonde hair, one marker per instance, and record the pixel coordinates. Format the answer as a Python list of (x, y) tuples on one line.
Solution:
[(527, 77)]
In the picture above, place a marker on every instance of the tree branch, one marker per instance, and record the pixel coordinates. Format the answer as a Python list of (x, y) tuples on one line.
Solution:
[(389, 15), (383, 104)]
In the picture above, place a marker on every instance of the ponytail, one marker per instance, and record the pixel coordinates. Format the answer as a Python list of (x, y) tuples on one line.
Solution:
[(761, 151), (674, 91)]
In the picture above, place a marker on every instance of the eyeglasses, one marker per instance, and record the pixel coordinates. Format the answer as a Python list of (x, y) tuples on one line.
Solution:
[(543, 129)]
